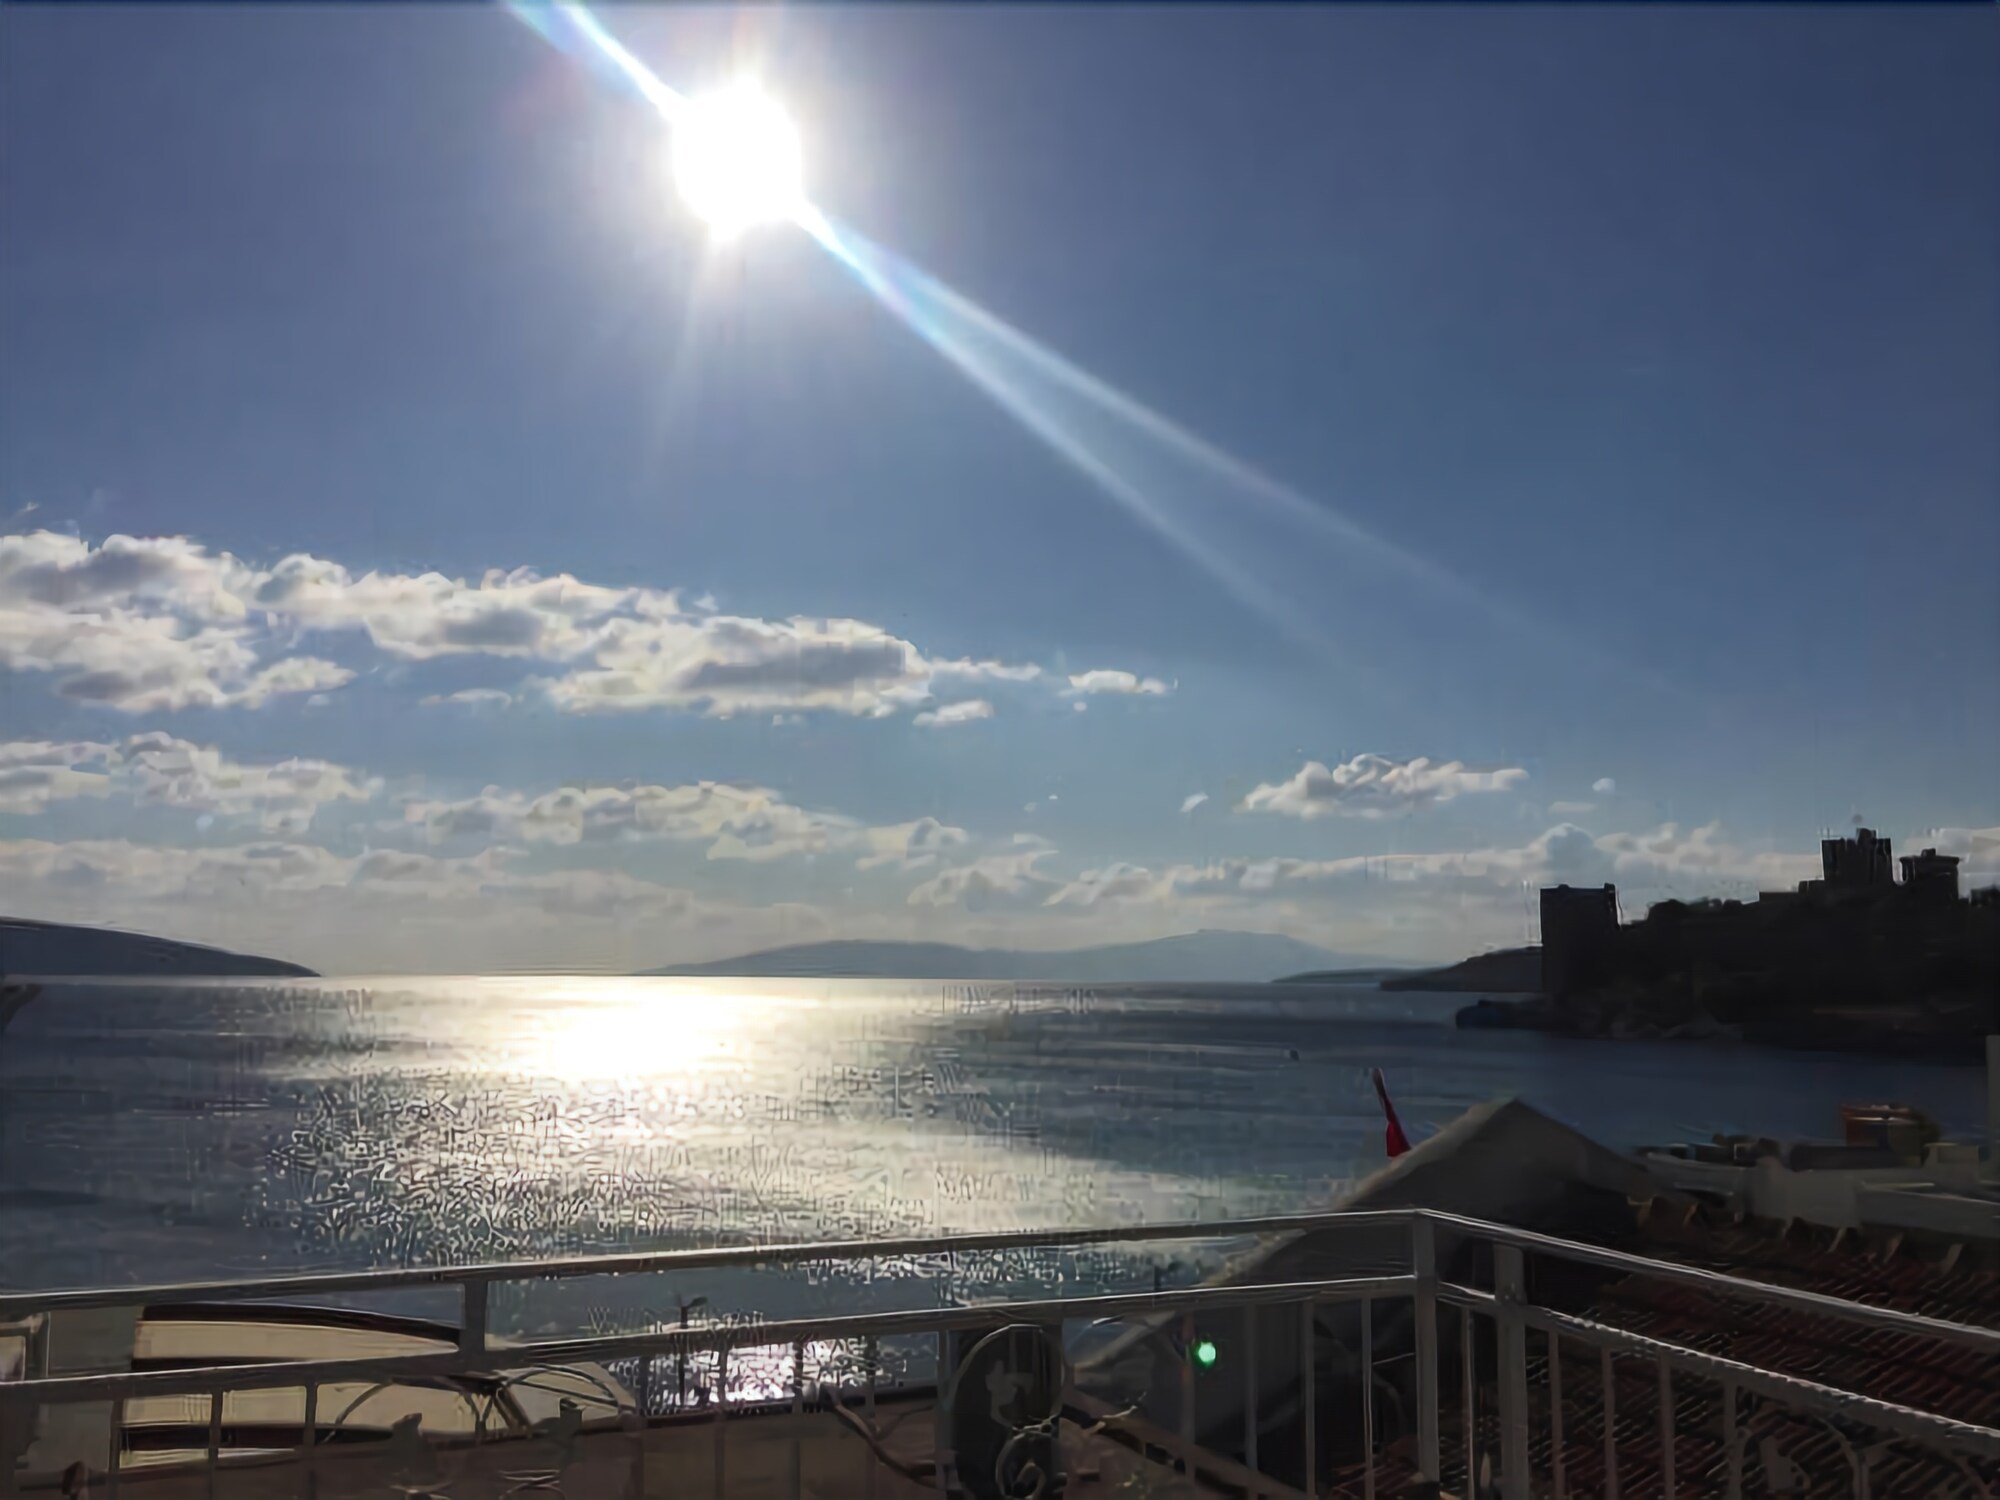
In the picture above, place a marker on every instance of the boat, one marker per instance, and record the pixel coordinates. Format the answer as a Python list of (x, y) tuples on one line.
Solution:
[(1489, 1015)]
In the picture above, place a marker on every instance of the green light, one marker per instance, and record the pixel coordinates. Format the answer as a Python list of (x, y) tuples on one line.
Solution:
[(1204, 1353)]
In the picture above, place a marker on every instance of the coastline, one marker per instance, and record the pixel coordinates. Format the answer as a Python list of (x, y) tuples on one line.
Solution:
[(1906, 1033)]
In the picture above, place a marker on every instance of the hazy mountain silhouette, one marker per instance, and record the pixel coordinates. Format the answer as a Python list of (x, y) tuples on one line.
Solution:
[(52, 949), (1192, 958)]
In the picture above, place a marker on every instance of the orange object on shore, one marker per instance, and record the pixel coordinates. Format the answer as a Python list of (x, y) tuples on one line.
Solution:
[(1901, 1128)]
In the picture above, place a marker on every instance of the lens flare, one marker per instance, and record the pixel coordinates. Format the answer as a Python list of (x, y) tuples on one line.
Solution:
[(736, 159)]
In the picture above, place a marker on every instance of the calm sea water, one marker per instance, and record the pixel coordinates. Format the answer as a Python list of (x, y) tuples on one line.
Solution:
[(159, 1131)]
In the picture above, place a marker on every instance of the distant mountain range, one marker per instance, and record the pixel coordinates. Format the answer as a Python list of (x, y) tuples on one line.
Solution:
[(50, 949), (1193, 958)]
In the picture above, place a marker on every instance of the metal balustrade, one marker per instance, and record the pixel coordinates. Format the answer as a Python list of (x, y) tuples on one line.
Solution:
[(1409, 1342)]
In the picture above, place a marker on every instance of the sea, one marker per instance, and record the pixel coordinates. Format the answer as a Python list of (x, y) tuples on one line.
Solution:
[(158, 1131)]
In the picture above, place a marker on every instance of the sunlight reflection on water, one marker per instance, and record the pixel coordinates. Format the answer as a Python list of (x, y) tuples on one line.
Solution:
[(152, 1132)]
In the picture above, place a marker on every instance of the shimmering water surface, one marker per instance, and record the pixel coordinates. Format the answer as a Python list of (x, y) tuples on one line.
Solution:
[(158, 1131)]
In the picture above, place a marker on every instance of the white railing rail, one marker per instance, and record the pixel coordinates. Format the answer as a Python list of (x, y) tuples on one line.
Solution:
[(1417, 1289)]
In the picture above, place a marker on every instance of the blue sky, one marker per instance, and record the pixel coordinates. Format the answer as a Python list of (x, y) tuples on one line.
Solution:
[(1607, 400)]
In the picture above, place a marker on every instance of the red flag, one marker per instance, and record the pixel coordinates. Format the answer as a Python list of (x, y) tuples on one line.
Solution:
[(1398, 1142)]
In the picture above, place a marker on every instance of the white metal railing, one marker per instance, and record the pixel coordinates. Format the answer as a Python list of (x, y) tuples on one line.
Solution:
[(1246, 1459)]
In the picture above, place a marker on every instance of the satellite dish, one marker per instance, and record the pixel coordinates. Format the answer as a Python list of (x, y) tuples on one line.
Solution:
[(1001, 1413)]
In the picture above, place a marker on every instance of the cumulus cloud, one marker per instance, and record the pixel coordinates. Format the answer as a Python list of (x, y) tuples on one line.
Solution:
[(142, 626), (158, 769), (284, 797), (480, 697), (1604, 786), (1112, 883), (910, 846), (152, 872), (986, 671), (1373, 786), (968, 712), (1189, 804), (1104, 680), (35, 773), (1664, 860), (736, 822), (998, 882), (384, 910), (164, 624)]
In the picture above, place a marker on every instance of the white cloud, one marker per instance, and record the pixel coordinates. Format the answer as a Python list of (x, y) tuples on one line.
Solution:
[(910, 846), (1189, 804), (1117, 882), (987, 671), (1371, 786), (385, 911), (142, 626), (999, 882), (970, 711), (283, 797), (1105, 680), (722, 666), (1665, 860), (293, 674), (736, 822), (1604, 786), (34, 773), (481, 697), (161, 770), (163, 624)]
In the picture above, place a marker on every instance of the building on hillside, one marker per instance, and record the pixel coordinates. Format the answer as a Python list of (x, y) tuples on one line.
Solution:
[(1579, 927), (1857, 863), (1931, 875)]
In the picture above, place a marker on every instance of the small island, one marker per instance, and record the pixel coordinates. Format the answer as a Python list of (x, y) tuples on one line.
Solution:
[(1855, 961)]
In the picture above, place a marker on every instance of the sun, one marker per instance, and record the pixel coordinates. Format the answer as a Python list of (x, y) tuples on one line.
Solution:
[(736, 160)]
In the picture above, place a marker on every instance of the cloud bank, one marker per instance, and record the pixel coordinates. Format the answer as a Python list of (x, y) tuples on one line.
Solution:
[(1373, 786), (147, 625)]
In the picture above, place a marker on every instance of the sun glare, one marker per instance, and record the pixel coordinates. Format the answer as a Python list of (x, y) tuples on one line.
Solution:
[(736, 160)]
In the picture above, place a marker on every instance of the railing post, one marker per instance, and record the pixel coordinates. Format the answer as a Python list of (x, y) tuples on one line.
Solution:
[(1510, 1291), (1423, 1265), (117, 1444), (642, 1386), (1309, 1392), (797, 1475), (310, 1432), (1468, 1349), (871, 1358), (1733, 1441), (1187, 1378), (1558, 1474), (1367, 1398), (17, 1423), (1610, 1425), (1250, 1386), (214, 1437), (1667, 1485), (472, 1321), (721, 1412), (943, 1458)]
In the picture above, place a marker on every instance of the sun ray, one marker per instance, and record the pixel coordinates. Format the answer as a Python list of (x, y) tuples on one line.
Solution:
[(1021, 375)]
